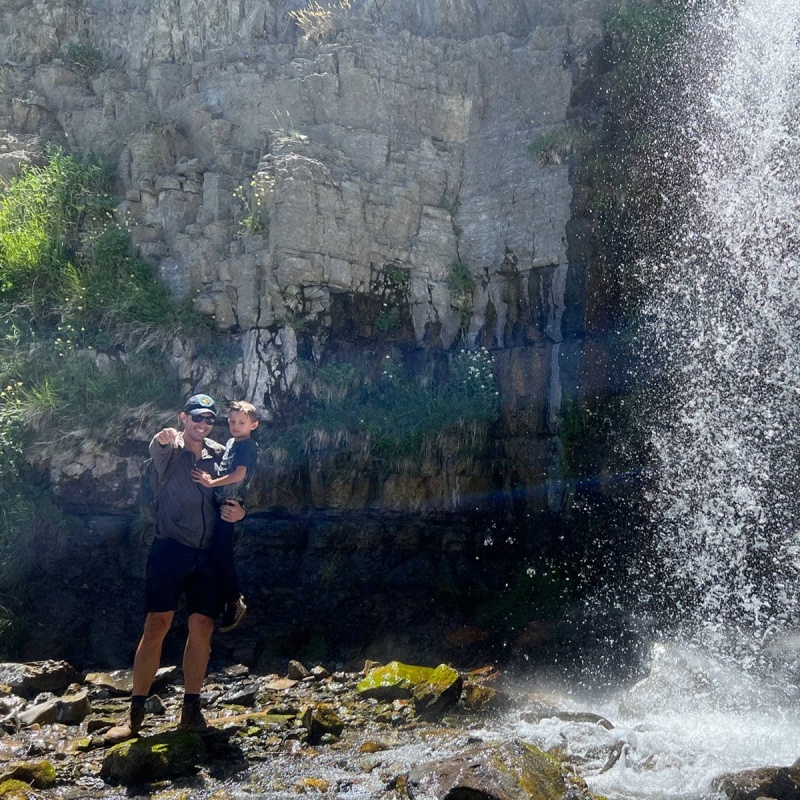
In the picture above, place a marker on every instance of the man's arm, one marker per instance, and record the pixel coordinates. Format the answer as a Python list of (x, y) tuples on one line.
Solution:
[(162, 446)]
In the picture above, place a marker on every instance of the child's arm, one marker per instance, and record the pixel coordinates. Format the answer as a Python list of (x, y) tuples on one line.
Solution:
[(238, 475)]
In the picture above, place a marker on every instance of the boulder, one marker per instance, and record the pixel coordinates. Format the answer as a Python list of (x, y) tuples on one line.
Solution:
[(155, 758), (39, 774), (321, 720), (510, 771), (432, 689), (15, 790), (483, 699), (438, 691), (68, 710), (779, 783), (120, 681), (29, 679), (297, 671)]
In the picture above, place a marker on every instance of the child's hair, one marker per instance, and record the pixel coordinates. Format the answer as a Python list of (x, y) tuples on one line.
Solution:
[(245, 408)]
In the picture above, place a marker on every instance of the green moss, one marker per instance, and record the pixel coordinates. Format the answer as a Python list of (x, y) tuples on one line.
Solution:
[(394, 678), (15, 790), (154, 758), (540, 774)]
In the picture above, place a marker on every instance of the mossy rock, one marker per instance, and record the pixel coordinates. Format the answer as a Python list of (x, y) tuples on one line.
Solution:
[(483, 699), (438, 692), (321, 720), (155, 758), (39, 774), (15, 790), (397, 681), (512, 771)]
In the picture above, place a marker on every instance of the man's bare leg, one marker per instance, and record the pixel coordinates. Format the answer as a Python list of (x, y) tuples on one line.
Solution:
[(197, 652), (145, 666), (148, 653)]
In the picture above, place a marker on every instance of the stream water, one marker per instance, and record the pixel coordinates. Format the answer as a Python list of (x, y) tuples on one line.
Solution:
[(724, 330)]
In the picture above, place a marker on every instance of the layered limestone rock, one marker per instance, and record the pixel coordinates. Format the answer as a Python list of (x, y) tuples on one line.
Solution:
[(271, 174)]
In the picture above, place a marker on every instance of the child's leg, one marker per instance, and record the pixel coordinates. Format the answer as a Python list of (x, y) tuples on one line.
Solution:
[(222, 556)]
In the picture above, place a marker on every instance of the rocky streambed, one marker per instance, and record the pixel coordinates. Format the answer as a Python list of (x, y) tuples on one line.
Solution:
[(386, 731)]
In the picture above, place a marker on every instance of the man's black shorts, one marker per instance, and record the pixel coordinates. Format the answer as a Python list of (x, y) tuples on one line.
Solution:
[(174, 568)]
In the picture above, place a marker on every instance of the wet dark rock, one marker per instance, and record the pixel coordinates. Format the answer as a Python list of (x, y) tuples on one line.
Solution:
[(778, 783), (236, 671), (68, 710), (483, 699), (241, 695), (120, 681), (320, 721), (584, 716), (440, 691), (27, 680), (297, 671), (164, 756), (154, 705), (9, 707), (513, 771)]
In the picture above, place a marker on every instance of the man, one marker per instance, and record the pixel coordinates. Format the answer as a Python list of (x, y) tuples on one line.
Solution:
[(179, 563)]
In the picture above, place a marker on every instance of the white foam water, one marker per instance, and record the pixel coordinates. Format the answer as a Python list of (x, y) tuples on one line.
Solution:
[(725, 321)]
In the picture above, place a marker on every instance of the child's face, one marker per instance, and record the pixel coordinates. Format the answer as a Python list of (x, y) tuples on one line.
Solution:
[(241, 426)]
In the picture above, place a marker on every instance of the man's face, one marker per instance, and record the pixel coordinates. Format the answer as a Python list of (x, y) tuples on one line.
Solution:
[(197, 425)]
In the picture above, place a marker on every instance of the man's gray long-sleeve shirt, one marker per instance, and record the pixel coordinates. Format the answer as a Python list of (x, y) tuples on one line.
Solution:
[(185, 510)]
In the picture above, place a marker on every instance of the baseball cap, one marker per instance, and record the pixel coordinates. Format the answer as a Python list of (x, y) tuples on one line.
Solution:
[(200, 402)]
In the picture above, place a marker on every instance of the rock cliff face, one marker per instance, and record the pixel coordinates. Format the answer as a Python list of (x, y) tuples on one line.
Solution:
[(274, 177), (297, 183)]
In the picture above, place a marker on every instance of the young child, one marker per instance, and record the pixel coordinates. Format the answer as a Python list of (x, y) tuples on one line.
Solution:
[(234, 474)]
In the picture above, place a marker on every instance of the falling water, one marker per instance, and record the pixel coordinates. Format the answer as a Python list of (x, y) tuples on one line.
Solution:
[(726, 322), (723, 332)]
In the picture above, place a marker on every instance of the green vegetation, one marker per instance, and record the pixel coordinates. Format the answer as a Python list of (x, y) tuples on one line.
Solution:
[(86, 59), (84, 322), (528, 594), (394, 420), (254, 216), (462, 286), (388, 319), (555, 146)]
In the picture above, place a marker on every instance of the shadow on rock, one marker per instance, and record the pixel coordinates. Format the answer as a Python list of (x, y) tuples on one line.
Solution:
[(171, 755)]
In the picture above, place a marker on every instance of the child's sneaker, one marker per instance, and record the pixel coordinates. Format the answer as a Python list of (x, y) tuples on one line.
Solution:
[(232, 615)]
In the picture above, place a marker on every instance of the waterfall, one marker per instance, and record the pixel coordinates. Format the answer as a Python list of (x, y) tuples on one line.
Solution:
[(725, 320), (718, 563)]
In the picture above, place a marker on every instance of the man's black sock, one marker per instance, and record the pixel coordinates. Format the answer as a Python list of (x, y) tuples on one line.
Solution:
[(138, 699), (188, 698)]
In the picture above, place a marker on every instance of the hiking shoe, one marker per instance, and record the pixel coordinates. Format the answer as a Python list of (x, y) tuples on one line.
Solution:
[(232, 615), (192, 718), (127, 727)]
